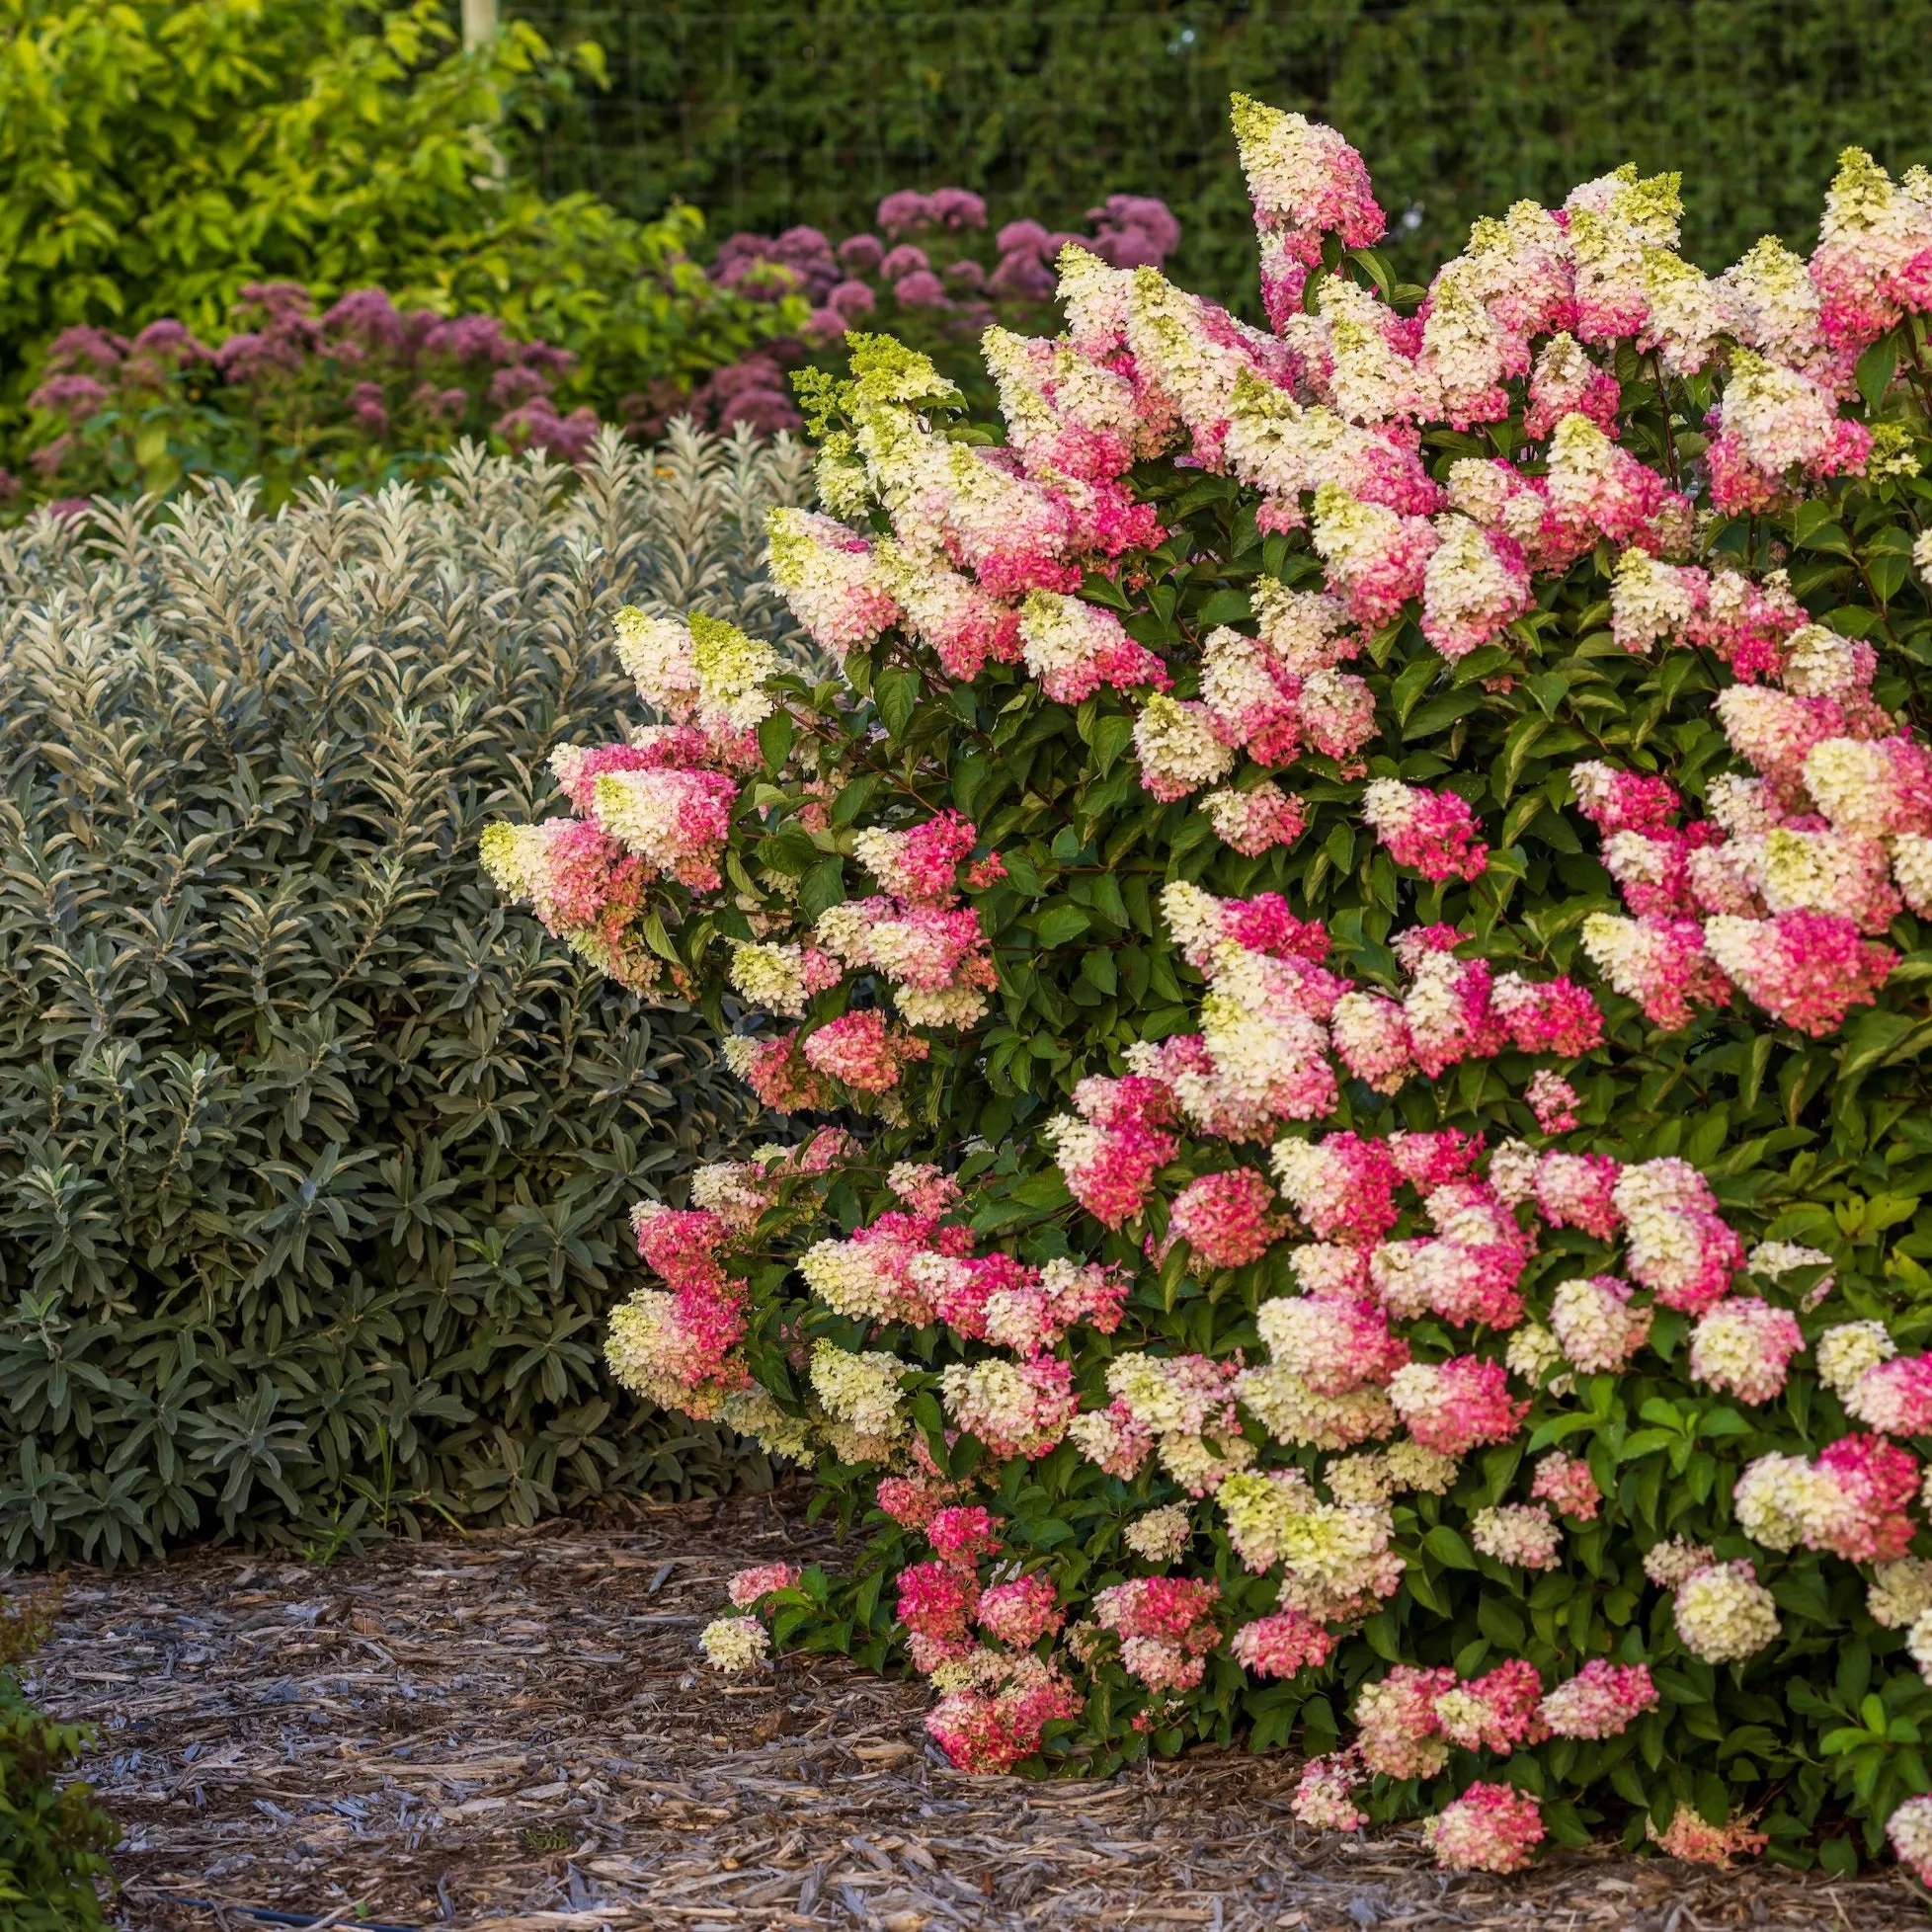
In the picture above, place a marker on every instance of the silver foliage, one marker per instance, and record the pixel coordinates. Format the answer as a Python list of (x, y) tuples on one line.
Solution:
[(315, 1160)]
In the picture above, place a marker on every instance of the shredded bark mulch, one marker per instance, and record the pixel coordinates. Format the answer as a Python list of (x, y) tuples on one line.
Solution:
[(511, 1731)]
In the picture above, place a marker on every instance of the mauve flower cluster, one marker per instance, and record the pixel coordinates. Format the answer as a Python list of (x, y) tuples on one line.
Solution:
[(1491, 1828), (925, 260), (681, 1347), (1695, 1840), (361, 369), (1454, 1010), (1164, 1625)]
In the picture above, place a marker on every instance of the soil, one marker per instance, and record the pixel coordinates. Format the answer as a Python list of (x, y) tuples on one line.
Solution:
[(512, 1729)]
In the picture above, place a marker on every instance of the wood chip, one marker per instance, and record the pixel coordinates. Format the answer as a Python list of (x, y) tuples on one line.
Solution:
[(510, 1731)]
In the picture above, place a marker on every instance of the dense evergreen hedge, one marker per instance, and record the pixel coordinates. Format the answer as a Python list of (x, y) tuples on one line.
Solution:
[(767, 115)]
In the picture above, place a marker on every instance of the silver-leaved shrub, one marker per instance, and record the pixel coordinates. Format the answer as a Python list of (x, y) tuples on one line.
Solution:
[(314, 1159)]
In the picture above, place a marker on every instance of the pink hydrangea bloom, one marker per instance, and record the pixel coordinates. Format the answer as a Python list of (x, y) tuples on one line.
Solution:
[(1305, 181), (1322, 1796), (863, 1051), (936, 1604), (1594, 1324), (911, 1501), (1226, 1219), (1554, 1102), (1370, 1036), (1428, 1161), (750, 1587), (1334, 1343), (1455, 1406), (1021, 1612), (1577, 1190), (1110, 1154), (1398, 1730), (991, 1732), (1491, 1828), (1469, 1272), (1522, 1535), (1661, 963), (1255, 821), (1074, 648), (1895, 1397), (921, 865), (826, 575), (1603, 1700), (1433, 832), (779, 1074), (1677, 1244), (1376, 559), (1475, 583), (1495, 1711), (1566, 382), (1342, 1185), (1016, 1408), (1547, 1016), (1166, 1627), (1744, 1346), (962, 1534), (1878, 1480), (1873, 258), (1910, 1831), (1567, 1482), (1696, 1841), (1282, 1645), (927, 1189), (1806, 969), (1594, 485)]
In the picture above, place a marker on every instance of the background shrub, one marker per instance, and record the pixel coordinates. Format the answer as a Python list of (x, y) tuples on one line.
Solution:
[(157, 157), (313, 1163), (52, 1840), (363, 394), (765, 117), (929, 270)]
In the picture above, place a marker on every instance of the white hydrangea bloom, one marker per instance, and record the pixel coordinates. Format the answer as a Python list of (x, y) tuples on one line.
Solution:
[(1522, 1534), (1725, 1614), (860, 1389), (735, 1645), (1161, 1535), (1847, 1350), (1899, 1593), (1668, 1564)]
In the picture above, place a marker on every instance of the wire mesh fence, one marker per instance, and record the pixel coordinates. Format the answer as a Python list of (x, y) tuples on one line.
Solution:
[(764, 117)]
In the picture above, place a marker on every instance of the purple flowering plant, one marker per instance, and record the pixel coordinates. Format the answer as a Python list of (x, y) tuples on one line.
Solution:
[(932, 271)]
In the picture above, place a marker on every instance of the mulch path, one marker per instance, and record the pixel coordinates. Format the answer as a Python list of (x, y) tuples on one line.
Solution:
[(508, 1730)]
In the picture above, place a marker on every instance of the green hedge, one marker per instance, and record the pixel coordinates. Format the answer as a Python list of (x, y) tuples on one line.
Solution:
[(53, 1837), (159, 157), (766, 116), (314, 1162)]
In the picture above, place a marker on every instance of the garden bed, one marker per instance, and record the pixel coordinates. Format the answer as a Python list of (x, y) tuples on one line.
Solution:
[(508, 1729)]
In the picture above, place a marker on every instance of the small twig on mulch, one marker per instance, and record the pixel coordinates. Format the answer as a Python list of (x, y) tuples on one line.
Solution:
[(510, 1731)]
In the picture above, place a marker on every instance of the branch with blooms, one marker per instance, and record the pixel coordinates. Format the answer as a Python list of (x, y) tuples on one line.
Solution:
[(1351, 929)]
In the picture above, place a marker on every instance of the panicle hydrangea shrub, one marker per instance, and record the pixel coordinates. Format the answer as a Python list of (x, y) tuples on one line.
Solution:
[(1351, 931)]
